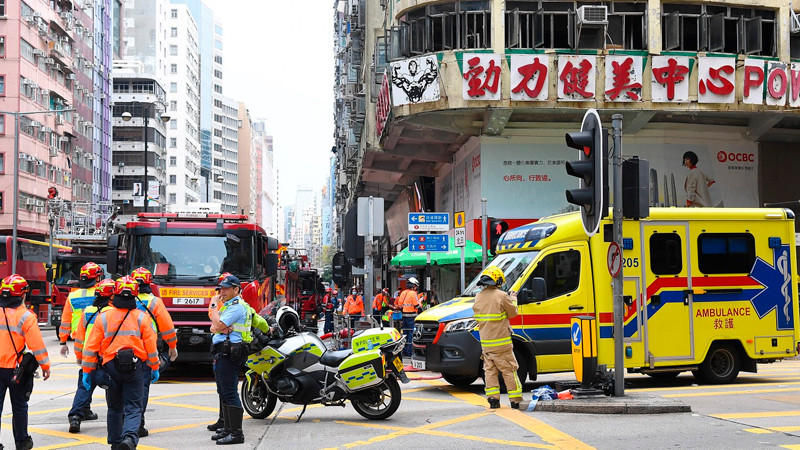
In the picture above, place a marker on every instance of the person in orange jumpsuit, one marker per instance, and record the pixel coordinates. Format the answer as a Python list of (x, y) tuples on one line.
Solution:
[(408, 302), (22, 330), (354, 307), (124, 339)]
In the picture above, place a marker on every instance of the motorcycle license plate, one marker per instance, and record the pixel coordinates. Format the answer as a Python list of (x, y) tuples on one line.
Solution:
[(398, 363)]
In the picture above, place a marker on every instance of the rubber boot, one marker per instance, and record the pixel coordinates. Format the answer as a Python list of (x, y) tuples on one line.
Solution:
[(225, 430), (220, 423), (235, 416), (494, 403)]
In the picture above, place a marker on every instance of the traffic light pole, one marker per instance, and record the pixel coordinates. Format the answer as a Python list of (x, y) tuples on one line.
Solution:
[(619, 337), (484, 237)]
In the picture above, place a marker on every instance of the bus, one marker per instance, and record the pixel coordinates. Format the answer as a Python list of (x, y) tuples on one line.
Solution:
[(32, 260)]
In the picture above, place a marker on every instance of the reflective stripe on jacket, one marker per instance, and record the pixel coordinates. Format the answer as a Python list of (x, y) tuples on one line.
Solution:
[(23, 326), (492, 309), (71, 316), (165, 327), (135, 332), (244, 329)]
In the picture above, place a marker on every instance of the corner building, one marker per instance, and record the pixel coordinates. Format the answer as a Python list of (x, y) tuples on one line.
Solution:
[(477, 97)]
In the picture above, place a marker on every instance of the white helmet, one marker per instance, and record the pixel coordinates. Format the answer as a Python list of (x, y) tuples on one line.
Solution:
[(288, 319), (413, 281)]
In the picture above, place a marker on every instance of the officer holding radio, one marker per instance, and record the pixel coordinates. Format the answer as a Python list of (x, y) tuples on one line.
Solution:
[(22, 329), (124, 338), (229, 323)]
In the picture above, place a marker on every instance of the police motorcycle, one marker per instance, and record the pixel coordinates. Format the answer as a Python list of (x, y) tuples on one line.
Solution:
[(296, 367)]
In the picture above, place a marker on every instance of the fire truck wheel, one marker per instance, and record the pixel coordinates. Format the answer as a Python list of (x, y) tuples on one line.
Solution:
[(720, 366)]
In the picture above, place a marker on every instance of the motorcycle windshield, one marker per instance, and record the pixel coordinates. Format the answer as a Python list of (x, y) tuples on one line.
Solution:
[(194, 258)]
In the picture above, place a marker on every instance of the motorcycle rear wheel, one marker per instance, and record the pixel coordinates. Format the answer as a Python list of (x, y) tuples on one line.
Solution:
[(258, 402), (387, 401)]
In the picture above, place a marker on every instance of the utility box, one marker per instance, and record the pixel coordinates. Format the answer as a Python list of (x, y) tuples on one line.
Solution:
[(635, 188)]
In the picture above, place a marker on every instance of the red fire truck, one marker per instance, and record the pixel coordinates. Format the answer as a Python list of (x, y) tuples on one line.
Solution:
[(304, 293), (186, 252)]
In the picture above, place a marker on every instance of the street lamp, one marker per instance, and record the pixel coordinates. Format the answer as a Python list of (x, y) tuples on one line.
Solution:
[(217, 177), (14, 225), (126, 117)]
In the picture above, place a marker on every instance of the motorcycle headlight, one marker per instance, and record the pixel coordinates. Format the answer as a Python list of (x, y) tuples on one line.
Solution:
[(461, 325)]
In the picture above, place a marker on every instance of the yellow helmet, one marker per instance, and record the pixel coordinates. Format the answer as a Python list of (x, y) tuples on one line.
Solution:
[(492, 276)]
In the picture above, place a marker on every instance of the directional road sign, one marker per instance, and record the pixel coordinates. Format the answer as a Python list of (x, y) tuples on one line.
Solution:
[(428, 222), (428, 243)]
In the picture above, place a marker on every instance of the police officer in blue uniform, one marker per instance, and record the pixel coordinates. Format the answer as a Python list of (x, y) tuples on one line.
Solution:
[(228, 322)]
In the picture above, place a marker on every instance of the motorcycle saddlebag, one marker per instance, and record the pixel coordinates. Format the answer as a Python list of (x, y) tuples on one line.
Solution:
[(362, 370)]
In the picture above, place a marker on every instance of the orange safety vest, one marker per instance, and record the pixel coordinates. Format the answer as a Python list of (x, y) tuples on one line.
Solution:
[(408, 301), (135, 332), (166, 329), (354, 305), (23, 327)]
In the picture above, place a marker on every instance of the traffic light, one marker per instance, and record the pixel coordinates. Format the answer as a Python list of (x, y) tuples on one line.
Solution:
[(592, 169), (496, 229), (341, 269)]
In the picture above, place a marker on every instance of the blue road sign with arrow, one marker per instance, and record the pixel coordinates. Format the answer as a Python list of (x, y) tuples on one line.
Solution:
[(428, 243), (428, 222)]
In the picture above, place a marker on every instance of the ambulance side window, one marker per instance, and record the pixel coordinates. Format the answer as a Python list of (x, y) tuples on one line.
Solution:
[(726, 252), (665, 254), (561, 271)]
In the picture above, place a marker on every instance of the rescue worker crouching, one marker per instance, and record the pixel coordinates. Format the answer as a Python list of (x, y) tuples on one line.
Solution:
[(154, 308), (257, 322), (102, 296), (22, 330), (123, 338), (230, 323), (409, 303), (493, 308), (80, 298)]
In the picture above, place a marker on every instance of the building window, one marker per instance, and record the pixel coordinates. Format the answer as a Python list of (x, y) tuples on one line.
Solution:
[(173, 179), (173, 124), (173, 161), (173, 87), (173, 198), (174, 13), (218, 89), (173, 142), (173, 49), (173, 105), (714, 28), (2, 85), (218, 59), (173, 68), (2, 124), (26, 51), (2, 163), (2, 45), (173, 32)]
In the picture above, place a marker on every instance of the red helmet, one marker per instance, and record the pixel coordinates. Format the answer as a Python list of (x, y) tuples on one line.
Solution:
[(142, 275), (105, 288), (14, 286), (91, 271), (127, 283), (222, 276)]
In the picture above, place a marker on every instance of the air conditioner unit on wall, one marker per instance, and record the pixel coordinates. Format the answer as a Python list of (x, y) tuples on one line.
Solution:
[(30, 201), (593, 15), (53, 151)]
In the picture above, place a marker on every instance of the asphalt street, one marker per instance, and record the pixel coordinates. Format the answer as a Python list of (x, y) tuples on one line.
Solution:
[(760, 410)]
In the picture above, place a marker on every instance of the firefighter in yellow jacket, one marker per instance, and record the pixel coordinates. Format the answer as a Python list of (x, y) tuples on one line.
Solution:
[(493, 308)]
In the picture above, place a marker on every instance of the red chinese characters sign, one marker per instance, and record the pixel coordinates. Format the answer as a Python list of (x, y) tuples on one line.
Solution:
[(530, 77), (576, 77), (623, 78), (383, 107), (481, 76), (716, 80), (670, 79)]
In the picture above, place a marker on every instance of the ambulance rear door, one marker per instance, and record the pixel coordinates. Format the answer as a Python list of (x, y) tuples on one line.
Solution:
[(666, 270)]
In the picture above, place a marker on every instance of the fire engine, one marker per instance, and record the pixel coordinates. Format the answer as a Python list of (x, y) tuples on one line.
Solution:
[(187, 252)]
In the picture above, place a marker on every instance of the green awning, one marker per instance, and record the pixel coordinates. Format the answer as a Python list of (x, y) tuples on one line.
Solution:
[(472, 253)]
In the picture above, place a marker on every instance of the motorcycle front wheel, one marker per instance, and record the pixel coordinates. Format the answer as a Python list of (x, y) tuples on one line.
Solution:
[(380, 402), (256, 400)]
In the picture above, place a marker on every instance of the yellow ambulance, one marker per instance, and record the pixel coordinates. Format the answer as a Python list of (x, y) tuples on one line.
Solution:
[(706, 290)]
